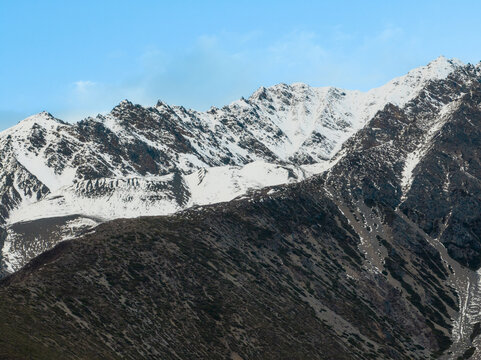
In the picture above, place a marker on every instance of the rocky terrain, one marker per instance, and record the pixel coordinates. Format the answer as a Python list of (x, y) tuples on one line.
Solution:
[(162, 159), (277, 275), (371, 252)]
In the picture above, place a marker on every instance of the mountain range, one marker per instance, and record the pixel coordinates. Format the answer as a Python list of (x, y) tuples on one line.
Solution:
[(302, 223)]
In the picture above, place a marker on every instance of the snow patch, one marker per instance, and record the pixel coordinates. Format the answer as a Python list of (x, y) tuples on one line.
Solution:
[(415, 157)]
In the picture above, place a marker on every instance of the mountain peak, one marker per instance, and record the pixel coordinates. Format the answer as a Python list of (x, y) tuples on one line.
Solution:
[(163, 105), (443, 60), (440, 58), (299, 85), (259, 94), (125, 104), (441, 66), (43, 115), (43, 119), (263, 93)]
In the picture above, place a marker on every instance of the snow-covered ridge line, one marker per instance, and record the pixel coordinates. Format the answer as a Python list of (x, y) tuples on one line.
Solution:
[(138, 161), (297, 124)]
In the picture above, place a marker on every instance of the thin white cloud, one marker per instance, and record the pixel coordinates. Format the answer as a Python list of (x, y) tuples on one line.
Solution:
[(83, 86)]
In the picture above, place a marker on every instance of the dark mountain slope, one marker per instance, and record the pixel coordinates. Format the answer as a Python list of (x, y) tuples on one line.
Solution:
[(276, 276), (445, 197), (419, 165)]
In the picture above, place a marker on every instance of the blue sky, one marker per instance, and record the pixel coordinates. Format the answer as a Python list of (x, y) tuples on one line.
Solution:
[(79, 58)]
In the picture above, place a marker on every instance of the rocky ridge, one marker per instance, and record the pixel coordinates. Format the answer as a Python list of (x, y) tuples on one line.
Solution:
[(159, 160)]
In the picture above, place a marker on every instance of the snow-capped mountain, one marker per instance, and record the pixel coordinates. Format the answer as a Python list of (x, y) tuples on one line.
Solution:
[(375, 254), (138, 161), (376, 257)]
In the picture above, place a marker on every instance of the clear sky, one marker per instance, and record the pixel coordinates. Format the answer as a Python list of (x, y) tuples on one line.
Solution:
[(79, 58)]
